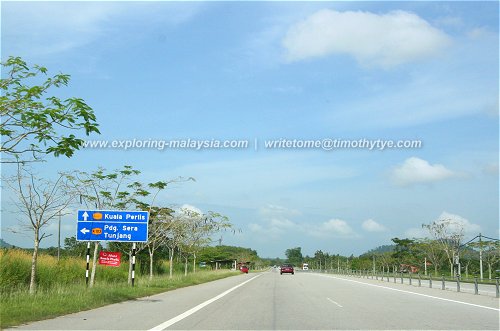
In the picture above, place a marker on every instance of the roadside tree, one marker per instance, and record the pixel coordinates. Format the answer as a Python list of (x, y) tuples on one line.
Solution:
[(40, 201), (294, 256), (449, 234), (491, 255), (34, 124), (105, 190)]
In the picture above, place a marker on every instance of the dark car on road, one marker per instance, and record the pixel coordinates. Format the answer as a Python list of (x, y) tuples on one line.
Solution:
[(286, 269)]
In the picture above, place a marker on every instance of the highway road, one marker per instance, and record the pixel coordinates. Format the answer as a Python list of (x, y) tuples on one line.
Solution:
[(304, 301)]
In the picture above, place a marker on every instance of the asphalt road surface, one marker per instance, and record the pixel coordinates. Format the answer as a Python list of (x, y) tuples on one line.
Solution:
[(304, 301)]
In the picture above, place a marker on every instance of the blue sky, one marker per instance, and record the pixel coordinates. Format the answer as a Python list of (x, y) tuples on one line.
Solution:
[(292, 70)]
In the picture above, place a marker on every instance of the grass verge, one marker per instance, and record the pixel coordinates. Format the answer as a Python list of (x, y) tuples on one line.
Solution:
[(18, 307)]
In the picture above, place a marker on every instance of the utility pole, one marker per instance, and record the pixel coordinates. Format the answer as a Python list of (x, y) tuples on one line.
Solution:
[(425, 265), (480, 258), (59, 239)]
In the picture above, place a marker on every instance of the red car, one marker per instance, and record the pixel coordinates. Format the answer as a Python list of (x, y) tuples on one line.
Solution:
[(244, 269), (286, 269)]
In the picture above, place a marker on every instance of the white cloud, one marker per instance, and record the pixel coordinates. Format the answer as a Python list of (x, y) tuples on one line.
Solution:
[(372, 226), (282, 223), (491, 169), (274, 228), (48, 28), (415, 170), (458, 222), (331, 228), (416, 233), (381, 40), (277, 221), (189, 208)]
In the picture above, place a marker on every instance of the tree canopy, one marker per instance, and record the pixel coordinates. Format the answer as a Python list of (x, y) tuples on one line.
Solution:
[(34, 123)]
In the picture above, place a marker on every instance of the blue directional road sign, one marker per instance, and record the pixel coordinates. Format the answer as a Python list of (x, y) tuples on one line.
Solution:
[(112, 225)]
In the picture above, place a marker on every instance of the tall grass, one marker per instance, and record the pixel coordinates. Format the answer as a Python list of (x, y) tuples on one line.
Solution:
[(61, 286), (15, 269)]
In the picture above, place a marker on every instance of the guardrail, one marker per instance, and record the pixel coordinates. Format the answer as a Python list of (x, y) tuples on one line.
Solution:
[(470, 285)]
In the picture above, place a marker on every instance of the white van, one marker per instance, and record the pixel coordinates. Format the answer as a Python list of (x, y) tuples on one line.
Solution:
[(305, 266)]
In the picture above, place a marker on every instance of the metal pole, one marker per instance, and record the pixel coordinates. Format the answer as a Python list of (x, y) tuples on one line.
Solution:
[(498, 291), (59, 239), (425, 265), (442, 282), (410, 277), (458, 283), (88, 260), (480, 258), (419, 281), (401, 278), (476, 289), (430, 281), (133, 263)]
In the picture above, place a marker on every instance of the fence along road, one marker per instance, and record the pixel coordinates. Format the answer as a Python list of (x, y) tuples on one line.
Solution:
[(304, 301), (435, 282)]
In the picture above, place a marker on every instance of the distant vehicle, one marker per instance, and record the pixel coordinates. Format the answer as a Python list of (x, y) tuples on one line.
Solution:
[(244, 269), (305, 266), (287, 269)]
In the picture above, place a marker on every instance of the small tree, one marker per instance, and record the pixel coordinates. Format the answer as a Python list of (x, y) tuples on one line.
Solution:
[(40, 201), (199, 229), (319, 257), (159, 217), (103, 190), (404, 252), (432, 250), (33, 124), (294, 256), (491, 255), (449, 234), (386, 260), (175, 232)]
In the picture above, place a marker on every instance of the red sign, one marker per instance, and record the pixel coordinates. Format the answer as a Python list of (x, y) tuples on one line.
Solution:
[(110, 258)]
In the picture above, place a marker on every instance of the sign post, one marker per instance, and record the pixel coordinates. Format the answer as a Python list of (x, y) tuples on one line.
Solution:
[(133, 263), (88, 260), (113, 226)]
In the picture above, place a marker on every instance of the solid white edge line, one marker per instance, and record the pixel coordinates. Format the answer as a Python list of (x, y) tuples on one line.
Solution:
[(420, 294), (334, 302), (193, 310)]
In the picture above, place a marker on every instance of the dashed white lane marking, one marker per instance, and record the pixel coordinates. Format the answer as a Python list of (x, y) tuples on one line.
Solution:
[(335, 303)]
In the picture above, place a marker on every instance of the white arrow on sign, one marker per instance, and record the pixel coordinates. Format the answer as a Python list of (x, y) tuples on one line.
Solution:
[(85, 216), (84, 230)]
